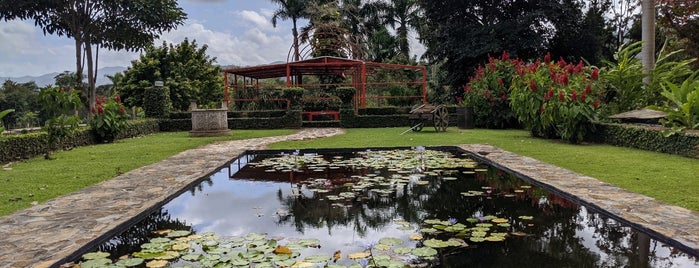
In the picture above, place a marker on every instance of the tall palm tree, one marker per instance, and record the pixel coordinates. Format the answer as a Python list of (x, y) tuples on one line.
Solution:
[(402, 15), (294, 10)]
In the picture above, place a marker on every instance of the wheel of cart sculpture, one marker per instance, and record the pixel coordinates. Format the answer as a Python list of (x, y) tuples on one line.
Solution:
[(417, 125), (441, 118)]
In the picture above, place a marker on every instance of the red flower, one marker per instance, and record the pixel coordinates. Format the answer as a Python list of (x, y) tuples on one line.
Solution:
[(486, 93), (547, 58), (583, 96), (505, 55), (466, 88), (532, 85), (595, 104), (92, 110), (579, 67), (118, 98), (100, 110), (121, 109), (563, 79), (561, 96), (574, 95), (595, 74), (588, 89), (550, 93), (500, 81), (562, 63)]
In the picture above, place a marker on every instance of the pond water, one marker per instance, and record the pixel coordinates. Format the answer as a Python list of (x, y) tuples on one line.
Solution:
[(388, 208)]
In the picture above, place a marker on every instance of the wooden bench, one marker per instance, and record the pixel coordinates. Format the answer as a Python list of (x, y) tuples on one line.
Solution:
[(310, 114)]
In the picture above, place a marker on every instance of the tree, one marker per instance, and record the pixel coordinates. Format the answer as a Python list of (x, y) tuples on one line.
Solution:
[(581, 31), (463, 33), (20, 97), (648, 33), (294, 10), (185, 69), (403, 15), (129, 25), (680, 19)]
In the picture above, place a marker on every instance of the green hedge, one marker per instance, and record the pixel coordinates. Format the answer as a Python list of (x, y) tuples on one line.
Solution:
[(349, 120), (645, 138), (24, 146), (242, 120)]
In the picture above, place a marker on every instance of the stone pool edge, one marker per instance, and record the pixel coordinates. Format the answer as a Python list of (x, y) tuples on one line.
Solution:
[(662, 221)]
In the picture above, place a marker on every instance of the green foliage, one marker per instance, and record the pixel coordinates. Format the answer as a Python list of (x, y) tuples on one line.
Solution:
[(488, 93), (345, 94), (2, 115), (109, 119), (682, 105), (156, 102), (294, 95), (185, 69), (626, 89), (239, 120), (644, 138), (58, 105), (22, 97), (625, 79), (25, 146), (557, 98)]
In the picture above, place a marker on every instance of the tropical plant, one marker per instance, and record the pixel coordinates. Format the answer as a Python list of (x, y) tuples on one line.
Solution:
[(58, 104), (403, 16), (681, 104), (488, 93), (557, 98), (3, 114), (109, 118)]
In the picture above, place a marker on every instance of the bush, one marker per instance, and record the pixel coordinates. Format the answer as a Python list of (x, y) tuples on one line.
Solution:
[(681, 105), (109, 117), (646, 138), (156, 102), (294, 95), (488, 93), (557, 98), (345, 94)]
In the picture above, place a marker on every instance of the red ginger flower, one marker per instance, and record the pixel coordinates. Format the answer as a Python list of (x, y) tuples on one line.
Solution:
[(121, 110), (595, 74), (500, 81), (118, 98), (547, 58), (100, 110), (532, 85), (574, 95), (561, 96), (595, 104), (583, 96)]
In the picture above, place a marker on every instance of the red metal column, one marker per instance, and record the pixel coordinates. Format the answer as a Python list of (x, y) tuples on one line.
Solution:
[(362, 94), (288, 75)]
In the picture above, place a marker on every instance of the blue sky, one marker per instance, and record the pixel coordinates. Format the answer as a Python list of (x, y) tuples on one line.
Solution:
[(237, 32)]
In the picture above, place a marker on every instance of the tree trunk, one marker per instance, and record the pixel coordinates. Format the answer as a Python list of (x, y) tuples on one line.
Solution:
[(648, 36), (78, 61), (90, 78), (295, 33), (403, 39)]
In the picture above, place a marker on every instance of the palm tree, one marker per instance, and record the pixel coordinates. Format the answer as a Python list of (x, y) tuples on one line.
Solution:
[(294, 10), (402, 15), (648, 50)]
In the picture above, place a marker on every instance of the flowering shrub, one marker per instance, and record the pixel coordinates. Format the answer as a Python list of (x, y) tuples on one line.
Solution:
[(109, 118), (557, 99), (488, 93)]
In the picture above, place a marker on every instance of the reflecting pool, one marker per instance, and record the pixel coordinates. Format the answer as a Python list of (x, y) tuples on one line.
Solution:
[(379, 208)]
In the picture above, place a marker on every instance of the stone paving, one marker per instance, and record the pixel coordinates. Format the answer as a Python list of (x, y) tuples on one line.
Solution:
[(48, 234)]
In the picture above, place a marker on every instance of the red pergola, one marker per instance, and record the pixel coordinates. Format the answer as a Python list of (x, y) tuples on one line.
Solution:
[(356, 70)]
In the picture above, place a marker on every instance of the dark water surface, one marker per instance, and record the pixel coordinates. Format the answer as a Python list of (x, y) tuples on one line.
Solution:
[(241, 199)]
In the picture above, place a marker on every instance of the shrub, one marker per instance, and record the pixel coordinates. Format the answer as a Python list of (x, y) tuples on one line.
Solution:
[(156, 102), (109, 118), (345, 94), (294, 95), (681, 105), (57, 104), (557, 98), (488, 93), (3, 114)]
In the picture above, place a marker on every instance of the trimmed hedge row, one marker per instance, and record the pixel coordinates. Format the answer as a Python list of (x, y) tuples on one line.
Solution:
[(645, 138), (24, 146), (349, 120), (240, 120)]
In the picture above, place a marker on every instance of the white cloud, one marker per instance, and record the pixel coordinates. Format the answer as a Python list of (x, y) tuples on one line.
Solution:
[(257, 19)]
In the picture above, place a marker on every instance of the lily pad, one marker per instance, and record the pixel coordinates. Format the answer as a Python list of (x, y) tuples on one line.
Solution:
[(95, 255), (435, 243), (424, 252), (130, 262), (317, 258), (178, 233), (415, 237), (359, 255), (528, 218), (156, 263), (402, 250), (191, 257)]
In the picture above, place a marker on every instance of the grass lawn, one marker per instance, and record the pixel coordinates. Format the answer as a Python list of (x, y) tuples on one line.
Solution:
[(39, 180), (668, 178)]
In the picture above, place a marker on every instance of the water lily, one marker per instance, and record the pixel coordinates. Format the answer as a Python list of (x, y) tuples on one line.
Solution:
[(452, 221), (370, 245), (364, 262)]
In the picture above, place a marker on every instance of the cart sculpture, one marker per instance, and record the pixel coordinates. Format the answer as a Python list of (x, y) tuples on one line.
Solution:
[(428, 114)]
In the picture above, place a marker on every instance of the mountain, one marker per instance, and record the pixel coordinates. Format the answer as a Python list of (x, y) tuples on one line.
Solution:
[(48, 79)]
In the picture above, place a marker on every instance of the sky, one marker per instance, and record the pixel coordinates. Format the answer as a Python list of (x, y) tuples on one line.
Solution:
[(237, 32)]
